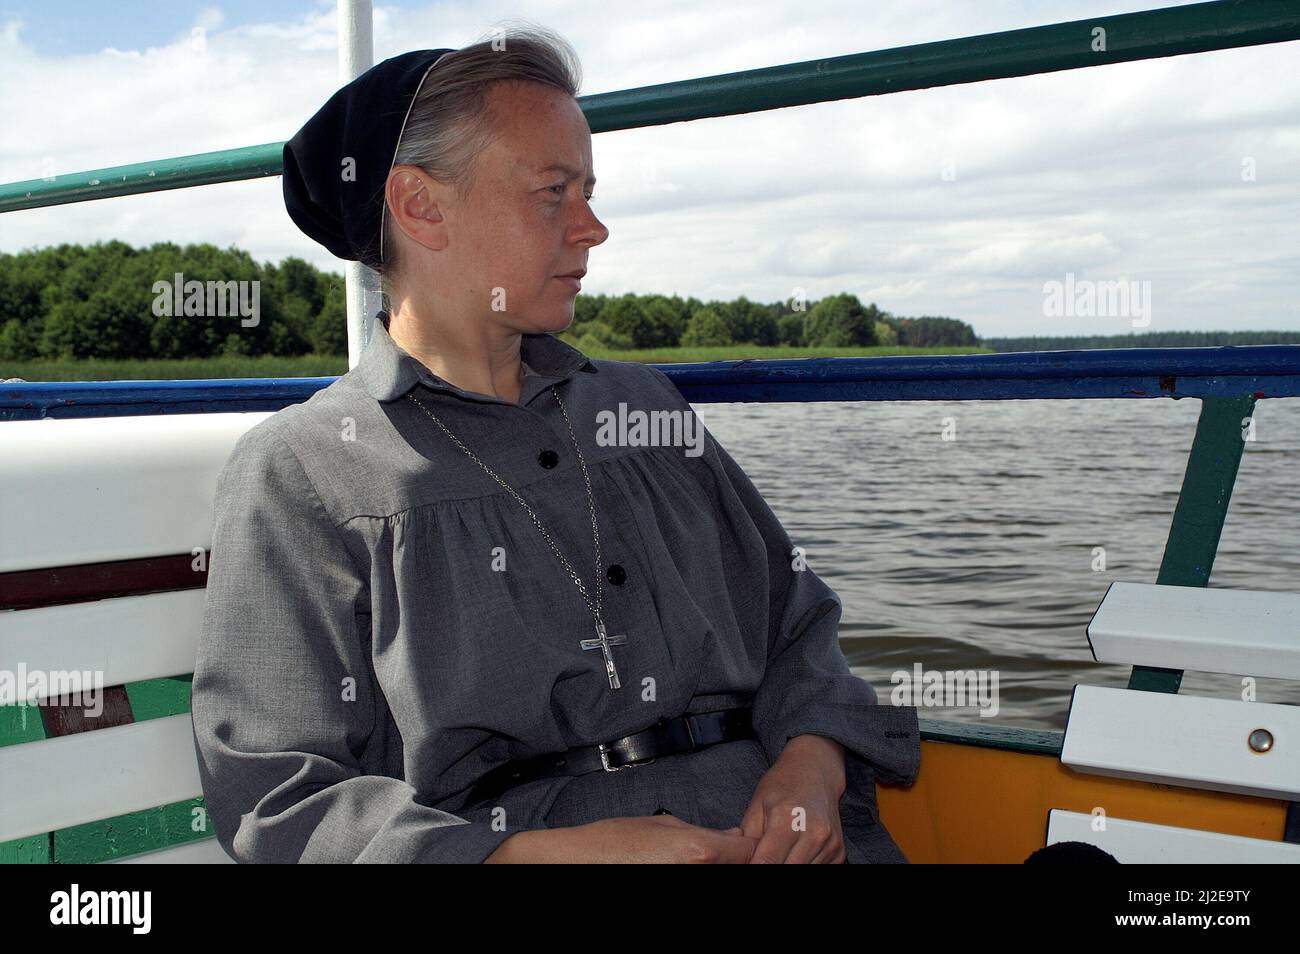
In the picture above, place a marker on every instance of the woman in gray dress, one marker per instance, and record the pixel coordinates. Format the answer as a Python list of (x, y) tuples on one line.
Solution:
[(486, 599)]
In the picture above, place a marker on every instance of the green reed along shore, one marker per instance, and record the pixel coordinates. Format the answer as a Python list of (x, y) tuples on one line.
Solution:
[(326, 365)]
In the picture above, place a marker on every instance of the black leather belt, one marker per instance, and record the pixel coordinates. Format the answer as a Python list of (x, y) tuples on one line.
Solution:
[(685, 733)]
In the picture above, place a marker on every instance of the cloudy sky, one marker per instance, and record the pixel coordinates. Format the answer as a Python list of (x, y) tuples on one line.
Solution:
[(1132, 172)]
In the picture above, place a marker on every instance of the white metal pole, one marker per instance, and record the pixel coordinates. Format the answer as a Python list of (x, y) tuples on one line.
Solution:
[(356, 55)]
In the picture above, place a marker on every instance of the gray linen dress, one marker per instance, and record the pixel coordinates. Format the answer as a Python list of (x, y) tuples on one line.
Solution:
[(365, 658)]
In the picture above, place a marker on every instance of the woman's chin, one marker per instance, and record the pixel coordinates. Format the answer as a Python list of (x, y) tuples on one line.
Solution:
[(554, 324)]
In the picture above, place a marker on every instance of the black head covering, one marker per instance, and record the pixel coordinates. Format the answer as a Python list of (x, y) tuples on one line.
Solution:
[(363, 121)]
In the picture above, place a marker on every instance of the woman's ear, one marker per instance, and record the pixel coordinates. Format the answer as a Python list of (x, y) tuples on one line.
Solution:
[(412, 197)]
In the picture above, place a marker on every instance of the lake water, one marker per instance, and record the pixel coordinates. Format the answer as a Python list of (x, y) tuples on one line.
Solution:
[(978, 553)]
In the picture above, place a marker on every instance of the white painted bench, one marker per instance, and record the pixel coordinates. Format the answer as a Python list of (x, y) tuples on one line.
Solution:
[(1226, 745), (81, 494)]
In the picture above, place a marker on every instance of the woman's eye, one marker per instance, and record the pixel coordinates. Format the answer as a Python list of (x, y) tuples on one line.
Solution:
[(561, 187)]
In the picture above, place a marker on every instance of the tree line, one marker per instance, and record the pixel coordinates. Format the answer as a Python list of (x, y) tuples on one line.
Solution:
[(102, 301), (73, 301)]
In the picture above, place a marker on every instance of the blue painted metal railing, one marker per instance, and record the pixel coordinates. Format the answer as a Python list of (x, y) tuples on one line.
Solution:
[(1251, 371)]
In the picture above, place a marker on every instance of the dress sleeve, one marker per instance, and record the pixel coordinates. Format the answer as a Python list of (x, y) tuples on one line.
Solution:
[(285, 705), (807, 687)]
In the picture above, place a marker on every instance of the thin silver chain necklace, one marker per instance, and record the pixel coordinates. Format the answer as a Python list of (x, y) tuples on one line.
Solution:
[(603, 640)]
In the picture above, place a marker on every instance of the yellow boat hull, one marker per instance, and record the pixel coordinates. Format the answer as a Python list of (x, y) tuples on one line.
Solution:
[(975, 804)]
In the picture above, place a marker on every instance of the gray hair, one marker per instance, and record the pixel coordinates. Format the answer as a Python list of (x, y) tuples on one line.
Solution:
[(450, 123)]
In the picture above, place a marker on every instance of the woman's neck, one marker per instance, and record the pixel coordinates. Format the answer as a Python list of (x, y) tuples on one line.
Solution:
[(484, 359)]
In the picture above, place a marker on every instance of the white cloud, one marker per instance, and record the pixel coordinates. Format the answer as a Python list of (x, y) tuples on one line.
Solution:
[(1132, 169)]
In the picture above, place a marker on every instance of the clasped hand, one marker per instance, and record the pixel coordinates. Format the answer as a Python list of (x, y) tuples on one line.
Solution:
[(794, 813)]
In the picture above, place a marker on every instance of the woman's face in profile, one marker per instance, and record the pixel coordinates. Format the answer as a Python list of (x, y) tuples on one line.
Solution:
[(527, 219)]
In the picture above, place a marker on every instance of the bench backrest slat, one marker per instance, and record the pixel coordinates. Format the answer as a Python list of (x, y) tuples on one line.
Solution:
[(74, 779), (204, 851), (127, 639), (1140, 843), (99, 489), (1242, 632), (1183, 740)]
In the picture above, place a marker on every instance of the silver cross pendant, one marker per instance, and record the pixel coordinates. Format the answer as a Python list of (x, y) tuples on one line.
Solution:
[(602, 642)]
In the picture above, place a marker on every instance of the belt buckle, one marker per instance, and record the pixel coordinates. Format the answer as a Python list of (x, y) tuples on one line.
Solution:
[(604, 760), (604, 751)]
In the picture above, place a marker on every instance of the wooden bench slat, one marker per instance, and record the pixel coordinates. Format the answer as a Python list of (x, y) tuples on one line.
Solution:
[(1183, 740), (56, 585), (57, 783), (111, 488), (1242, 632), (1132, 842), (129, 639), (206, 851)]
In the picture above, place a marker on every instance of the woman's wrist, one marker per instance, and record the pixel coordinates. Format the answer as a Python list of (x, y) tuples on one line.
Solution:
[(825, 752), (531, 845)]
